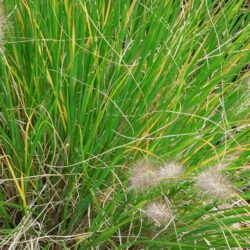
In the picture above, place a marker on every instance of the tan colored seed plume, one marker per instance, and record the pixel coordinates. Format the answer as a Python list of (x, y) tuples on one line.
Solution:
[(212, 183), (170, 170), (2, 23), (160, 213), (143, 175), (147, 173)]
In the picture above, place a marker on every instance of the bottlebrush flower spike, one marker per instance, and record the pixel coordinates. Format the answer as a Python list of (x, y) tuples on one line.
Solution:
[(159, 213), (147, 173), (2, 23), (170, 170), (214, 184), (143, 175)]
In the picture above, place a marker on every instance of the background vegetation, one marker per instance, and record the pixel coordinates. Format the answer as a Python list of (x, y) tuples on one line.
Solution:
[(88, 87)]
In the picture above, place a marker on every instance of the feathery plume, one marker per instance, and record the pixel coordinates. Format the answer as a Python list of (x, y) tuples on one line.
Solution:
[(159, 213), (147, 173), (170, 170), (214, 184), (2, 22), (143, 175)]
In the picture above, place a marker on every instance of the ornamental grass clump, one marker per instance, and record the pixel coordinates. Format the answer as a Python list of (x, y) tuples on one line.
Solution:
[(86, 86)]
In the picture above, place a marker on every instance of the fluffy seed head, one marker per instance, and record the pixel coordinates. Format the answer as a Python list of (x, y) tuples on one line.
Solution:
[(143, 175), (2, 22), (147, 173), (214, 184), (159, 213), (170, 170)]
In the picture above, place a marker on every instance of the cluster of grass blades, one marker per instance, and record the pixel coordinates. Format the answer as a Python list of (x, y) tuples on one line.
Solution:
[(88, 87)]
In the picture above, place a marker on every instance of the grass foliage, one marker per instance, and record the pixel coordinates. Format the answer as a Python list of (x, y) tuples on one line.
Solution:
[(89, 87)]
